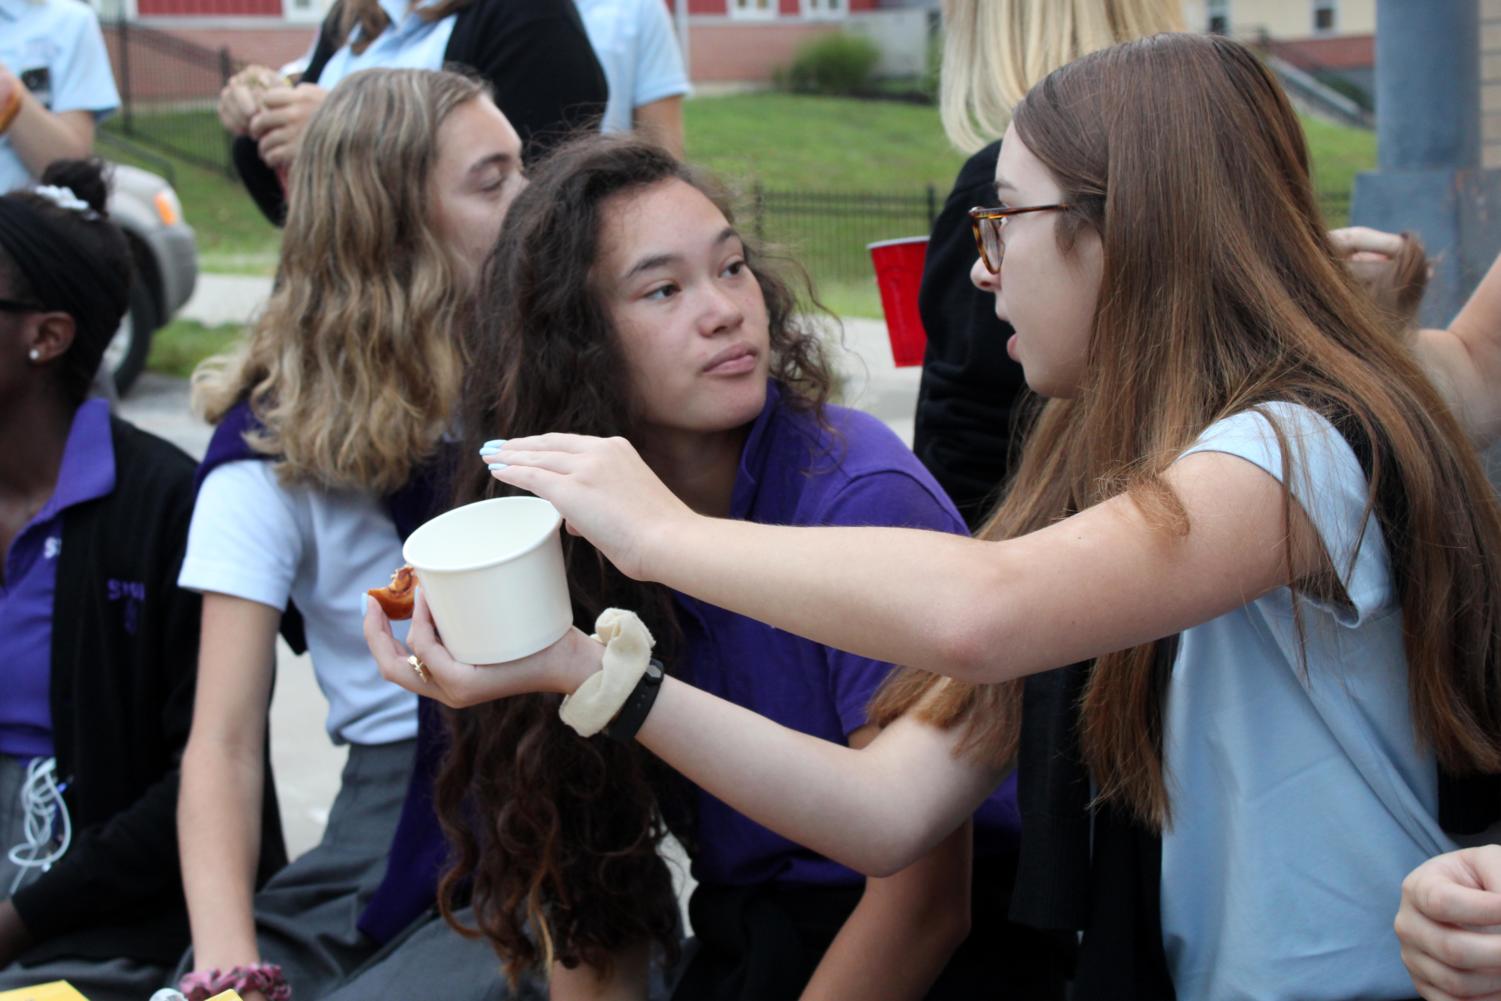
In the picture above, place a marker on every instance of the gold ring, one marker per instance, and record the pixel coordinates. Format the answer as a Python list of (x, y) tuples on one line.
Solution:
[(420, 668)]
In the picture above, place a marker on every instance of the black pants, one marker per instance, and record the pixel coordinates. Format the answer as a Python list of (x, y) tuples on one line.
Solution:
[(762, 943)]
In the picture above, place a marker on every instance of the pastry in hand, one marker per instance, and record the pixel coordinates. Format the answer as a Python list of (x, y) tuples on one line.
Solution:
[(396, 597)]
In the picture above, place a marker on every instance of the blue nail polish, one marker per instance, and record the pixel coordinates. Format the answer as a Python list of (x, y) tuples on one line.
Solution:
[(499, 465), (493, 445)]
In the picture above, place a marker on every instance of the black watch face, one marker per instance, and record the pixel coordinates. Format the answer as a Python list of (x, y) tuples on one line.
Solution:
[(39, 82)]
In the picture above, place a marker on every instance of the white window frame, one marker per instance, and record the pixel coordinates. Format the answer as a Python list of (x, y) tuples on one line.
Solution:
[(825, 10), (1333, 7), (748, 10), (312, 13)]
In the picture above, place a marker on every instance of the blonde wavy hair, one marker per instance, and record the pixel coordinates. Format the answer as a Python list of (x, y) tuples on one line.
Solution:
[(995, 50), (354, 367)]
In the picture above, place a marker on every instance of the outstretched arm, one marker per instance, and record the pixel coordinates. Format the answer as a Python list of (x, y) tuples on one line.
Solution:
[(875, 810), (1102, 580)]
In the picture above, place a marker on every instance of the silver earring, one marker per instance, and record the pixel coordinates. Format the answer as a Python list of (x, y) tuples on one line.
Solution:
[(35, 355)]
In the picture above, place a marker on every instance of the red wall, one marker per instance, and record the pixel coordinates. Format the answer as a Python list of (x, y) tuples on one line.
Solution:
[(711, 7), (1339, 53), (748, 50), (156, 77), (209, 8), (720, 8), (273, 45)]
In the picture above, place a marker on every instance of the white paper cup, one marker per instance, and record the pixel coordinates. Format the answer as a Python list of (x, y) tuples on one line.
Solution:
[(492, 573)]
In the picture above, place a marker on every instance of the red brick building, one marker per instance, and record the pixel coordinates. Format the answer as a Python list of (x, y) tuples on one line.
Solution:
[(728, 40), (745, 40)]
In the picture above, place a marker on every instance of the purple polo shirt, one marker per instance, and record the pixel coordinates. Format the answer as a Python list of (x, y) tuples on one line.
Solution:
[(87, 473), (794, 472)]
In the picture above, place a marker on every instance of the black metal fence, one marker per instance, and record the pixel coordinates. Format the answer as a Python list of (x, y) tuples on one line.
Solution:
[(169, 89), (1336, 206), (828, 230)]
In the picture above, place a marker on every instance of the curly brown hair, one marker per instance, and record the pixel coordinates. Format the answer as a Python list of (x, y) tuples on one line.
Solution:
[(556, 837)]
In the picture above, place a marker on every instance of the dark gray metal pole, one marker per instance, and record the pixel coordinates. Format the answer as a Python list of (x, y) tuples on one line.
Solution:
[(1428, 132), (1428, 84)]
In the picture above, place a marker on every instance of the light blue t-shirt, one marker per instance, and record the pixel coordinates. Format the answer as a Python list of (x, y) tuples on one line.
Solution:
[(634, 43), (56, 49), (1301, 797), (409, 42)]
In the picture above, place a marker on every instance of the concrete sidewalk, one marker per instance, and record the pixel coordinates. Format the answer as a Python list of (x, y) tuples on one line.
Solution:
[(307, 765), (220, 299)]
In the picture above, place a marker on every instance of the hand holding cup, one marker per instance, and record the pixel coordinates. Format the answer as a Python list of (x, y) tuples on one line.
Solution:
[(559, 668)]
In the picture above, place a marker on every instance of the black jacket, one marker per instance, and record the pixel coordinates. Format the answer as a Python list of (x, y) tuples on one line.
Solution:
[(124, 658), (971, 390), (534, 54)]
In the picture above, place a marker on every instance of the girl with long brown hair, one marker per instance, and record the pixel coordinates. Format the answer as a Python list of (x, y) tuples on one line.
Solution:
[(1244, 509), (326, 416), (620, 270), (972, 399)]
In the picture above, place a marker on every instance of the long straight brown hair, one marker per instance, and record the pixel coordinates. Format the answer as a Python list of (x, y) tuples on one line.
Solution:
[(1221, 292)]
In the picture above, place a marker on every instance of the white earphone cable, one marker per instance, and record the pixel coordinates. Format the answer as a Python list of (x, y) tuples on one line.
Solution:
[(49, 829)]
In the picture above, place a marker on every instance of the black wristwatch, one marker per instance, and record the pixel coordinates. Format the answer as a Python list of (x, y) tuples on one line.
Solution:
[(637, 706)]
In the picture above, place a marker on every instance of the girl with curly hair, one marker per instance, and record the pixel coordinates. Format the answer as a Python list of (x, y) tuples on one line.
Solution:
[(621, 300)]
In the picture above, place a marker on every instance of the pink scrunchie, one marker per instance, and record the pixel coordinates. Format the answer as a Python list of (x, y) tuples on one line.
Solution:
[(200, 985)]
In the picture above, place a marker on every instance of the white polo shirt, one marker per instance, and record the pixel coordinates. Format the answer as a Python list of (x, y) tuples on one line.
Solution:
[(254, 538)]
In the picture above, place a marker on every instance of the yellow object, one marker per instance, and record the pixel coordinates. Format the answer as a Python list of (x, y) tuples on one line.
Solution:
[(57, 990), (229, 995)]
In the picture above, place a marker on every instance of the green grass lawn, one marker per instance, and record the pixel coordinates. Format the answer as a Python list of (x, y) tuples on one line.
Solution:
[(1339, 153), (821, 143), (233, 236), (179, 346), (786, 143)]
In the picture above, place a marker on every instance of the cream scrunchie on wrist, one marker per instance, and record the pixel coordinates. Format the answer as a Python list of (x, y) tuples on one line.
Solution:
[(627, 652)]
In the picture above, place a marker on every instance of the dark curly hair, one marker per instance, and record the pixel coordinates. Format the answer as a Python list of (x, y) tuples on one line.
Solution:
[(102, 289), (556, 838)]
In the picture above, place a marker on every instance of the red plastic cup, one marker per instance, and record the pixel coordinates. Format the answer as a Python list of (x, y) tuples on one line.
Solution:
[(899, 266)]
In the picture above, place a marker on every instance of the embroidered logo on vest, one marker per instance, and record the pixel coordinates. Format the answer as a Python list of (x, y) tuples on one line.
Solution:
[(132, 593)]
